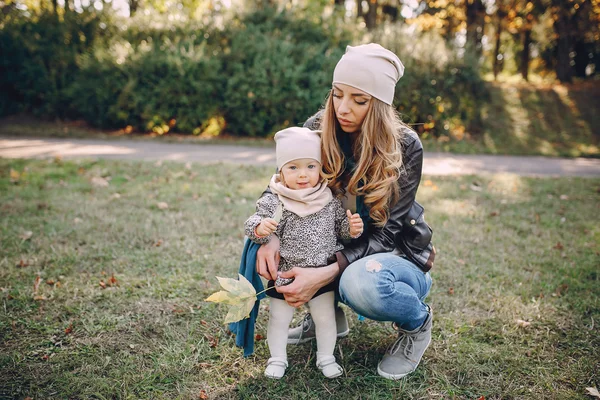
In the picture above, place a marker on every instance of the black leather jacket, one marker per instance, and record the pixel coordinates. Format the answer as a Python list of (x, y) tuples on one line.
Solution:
[(406, 230)]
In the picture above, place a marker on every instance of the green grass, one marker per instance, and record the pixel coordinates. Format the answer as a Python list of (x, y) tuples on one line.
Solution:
[(518, 249), (526, 119)]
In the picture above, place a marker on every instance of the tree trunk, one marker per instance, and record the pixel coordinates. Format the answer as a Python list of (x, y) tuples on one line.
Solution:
[(525, 54), (133, 6), (371, 17), (475, 12), (497, 63), (563, 57), (581, 58)]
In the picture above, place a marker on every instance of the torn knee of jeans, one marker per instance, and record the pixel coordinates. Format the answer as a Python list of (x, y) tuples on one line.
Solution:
[(373, 266)]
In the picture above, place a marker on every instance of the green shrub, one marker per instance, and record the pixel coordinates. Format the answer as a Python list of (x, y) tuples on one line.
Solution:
[(39, 60), (278, 71), (266, 70)]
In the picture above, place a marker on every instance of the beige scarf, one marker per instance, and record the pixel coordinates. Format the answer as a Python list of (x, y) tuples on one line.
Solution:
[(301, 202)]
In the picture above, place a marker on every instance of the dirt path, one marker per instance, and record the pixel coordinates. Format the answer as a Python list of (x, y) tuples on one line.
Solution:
[(435, 163)]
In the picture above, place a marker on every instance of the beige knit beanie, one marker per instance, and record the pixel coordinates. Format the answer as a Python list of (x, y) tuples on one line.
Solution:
[(295, 143), (370, 68)]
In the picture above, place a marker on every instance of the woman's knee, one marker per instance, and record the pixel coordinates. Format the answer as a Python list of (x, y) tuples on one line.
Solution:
[(360, 286)]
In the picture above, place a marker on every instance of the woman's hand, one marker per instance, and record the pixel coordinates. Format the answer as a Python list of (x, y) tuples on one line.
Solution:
[(267, 259), (307, 281)]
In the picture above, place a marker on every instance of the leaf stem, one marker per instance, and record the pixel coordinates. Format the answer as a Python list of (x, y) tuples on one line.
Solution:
[(264, 290)]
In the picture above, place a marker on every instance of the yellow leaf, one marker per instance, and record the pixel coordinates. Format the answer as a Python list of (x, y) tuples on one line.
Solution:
[(162, 205), (240, 311), (222, 297), (240, 295), (14, 176), (239, 288)]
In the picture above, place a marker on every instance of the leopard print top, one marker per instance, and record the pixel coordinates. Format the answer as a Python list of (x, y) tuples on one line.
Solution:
[(306, 242)]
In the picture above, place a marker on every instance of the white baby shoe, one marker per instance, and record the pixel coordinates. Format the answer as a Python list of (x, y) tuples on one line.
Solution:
[(329, 367), (276, 367)]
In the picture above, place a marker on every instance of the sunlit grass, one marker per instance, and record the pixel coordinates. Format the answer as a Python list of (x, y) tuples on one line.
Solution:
[(528, 119), (515, 288)]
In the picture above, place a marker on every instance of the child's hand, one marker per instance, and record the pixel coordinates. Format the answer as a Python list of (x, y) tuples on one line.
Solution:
[(356, 224), (266, 227)]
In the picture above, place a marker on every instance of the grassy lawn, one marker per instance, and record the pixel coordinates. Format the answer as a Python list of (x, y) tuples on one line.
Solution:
[(126, 252), (526, 119)]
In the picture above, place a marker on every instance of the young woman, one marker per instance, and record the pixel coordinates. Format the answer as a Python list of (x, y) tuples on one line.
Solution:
[(374, 162)]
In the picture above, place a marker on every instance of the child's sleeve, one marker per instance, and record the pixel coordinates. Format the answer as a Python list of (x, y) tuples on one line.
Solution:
[(265, 208), (342, 225)]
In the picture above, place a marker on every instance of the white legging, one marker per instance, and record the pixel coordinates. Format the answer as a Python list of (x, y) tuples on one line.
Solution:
[(323, 314)]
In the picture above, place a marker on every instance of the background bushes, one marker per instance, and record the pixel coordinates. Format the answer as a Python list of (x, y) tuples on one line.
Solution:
[(263, 71)]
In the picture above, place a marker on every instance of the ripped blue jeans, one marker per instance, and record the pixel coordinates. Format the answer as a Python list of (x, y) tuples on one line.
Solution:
[(386, 287)]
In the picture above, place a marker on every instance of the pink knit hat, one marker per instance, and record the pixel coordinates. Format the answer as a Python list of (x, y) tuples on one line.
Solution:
[(370, 68), (295, 143)]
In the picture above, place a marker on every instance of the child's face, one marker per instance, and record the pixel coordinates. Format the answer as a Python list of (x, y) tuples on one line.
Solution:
[(301, 174)]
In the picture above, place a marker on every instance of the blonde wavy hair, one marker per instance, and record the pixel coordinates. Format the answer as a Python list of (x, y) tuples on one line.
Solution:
[(377, 153)]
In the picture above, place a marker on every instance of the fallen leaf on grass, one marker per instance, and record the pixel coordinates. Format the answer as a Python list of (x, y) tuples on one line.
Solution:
[(50, 282), (162, 205), (113, 281), (494, 213), (451, 291), (22, 264), (562, 289), (102, 284), (202, 395), (522, 324), (36, 284), (69, 329), (238, 294), (258, 337), (115, 196), (592, 391), (26, 235), (559, 246), (212, 341), (15, 176), (39, 298), (98, 181), (564, 197), (476, 187)]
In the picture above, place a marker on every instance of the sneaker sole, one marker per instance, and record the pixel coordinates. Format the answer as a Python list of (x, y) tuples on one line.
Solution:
[(304, 340), (395, 377)]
